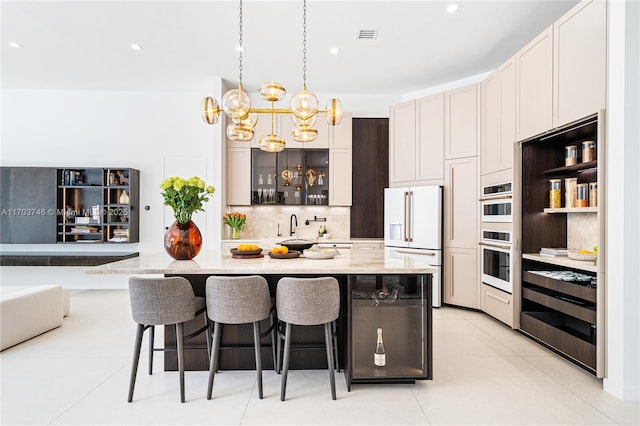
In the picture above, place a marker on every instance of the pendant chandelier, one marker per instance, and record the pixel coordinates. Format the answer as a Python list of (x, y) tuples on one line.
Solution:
[(303, 106)]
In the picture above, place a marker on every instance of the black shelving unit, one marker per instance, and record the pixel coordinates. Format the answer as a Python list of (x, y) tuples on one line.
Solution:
[(90, 207)]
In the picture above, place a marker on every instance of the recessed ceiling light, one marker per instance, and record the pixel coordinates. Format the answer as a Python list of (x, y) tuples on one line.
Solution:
[(453, 8), (239, 48), (335, 50), (15, 45), (136, 46)]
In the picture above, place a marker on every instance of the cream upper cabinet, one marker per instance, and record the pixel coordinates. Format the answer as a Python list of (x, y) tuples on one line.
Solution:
[(507, 113), (429, 154), (322, 141), (340, 136), (340, 177), (461, 277), (402, 142), (461, 203), (238, 176), (461, 122), (534, 77), (489, 125), (580, 62)]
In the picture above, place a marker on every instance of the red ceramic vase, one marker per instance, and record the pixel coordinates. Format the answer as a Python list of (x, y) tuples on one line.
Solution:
[(183, 241)]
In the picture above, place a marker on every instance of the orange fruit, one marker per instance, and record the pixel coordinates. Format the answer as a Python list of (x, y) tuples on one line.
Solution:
[(276, 250), (284, 250), (253, 247), (240, 247)]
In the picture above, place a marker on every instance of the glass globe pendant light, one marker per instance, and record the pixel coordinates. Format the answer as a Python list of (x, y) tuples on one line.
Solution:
[(334, 111), (210, 110), (304, 130), (272, 142)]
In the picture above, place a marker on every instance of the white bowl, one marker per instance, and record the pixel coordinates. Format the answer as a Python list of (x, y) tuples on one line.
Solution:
[(319, 253), (576, 255)]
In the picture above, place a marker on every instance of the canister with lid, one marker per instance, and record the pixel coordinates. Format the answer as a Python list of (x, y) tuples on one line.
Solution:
[(571, 155), (554, 193), (588, 151), (570, 188), (582, 199)]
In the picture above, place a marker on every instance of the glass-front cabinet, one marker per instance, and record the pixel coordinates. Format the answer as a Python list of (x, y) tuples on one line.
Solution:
[(290, 177), (389, 329)]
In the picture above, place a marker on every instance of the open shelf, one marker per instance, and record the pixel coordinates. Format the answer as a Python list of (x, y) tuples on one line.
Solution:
[(574, 168)]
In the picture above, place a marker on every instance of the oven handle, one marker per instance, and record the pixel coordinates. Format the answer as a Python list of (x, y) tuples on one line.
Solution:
[(501, 197), (504, 247)]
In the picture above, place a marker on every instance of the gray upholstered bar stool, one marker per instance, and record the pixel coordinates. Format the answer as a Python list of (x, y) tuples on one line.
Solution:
[(239, 300), (308, 301), (163, 301)]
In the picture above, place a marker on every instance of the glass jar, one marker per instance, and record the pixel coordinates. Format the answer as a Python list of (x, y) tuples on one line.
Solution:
[(582, 199), (571, 155), (570, 188), (588, 151), (593, 194), (554, 193)]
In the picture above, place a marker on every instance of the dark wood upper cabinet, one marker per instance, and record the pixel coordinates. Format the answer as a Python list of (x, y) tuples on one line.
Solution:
[(370, 145)]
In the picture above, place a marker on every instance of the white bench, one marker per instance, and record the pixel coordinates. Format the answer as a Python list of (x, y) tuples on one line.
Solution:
[(27, 313)]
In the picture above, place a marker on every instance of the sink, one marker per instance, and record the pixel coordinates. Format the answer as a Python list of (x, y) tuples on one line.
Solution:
[(297, 244)]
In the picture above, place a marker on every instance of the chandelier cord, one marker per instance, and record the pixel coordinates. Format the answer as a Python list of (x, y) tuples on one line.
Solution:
[(304, 44), (241, 47)]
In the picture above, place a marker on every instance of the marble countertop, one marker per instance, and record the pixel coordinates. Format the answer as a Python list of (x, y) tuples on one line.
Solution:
[(217, 262)]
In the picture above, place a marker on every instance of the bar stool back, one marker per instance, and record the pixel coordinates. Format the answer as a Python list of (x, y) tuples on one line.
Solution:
[(238, 300), (308, 301), (162, 301)]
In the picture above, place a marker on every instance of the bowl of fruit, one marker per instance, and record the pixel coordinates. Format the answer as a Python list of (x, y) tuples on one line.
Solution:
[(283, 252), (244, 250), (583, 254)]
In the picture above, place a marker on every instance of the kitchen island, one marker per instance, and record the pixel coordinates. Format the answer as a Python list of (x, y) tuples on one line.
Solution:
[(398, 286)]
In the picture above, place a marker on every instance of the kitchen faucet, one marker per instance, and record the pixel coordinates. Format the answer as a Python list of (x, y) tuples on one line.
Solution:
[(292, 230)]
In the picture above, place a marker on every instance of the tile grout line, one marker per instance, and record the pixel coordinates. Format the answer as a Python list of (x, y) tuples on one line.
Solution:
[(93, 389), (567, 388)]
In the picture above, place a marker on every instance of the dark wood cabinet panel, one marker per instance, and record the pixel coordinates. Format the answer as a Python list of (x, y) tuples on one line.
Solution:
[(370, 170), (28, 197)]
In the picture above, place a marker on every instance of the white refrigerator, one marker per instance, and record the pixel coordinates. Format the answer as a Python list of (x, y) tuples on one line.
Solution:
[(413, 227)]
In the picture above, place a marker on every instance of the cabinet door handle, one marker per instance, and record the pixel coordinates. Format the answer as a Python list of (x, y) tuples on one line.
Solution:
[(410, 214), (498, 298), (406, 216)]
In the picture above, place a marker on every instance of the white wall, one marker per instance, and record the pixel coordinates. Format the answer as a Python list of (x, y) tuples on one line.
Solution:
[(623, 195), (142, 130)]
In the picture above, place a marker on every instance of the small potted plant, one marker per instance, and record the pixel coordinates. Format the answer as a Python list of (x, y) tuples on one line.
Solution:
[(236, 221), (183, 239)]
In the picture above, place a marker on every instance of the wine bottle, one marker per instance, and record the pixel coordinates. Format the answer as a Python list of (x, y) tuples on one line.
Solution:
[(379, 356)]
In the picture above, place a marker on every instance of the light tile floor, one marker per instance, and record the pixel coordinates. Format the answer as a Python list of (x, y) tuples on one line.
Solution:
[(484, 373)]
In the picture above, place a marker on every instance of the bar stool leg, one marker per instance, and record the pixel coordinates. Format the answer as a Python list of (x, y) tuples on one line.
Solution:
[(328, 338), (207, 335), (180, 338), (213, 365), (274, 332), (152, 330), (136, 358), (285, 366), (334, 331), (256, 343)]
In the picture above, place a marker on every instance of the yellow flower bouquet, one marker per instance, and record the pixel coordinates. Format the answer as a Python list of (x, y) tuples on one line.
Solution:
[(185, 196)]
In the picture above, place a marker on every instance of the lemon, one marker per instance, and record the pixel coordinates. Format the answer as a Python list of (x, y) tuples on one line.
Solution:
[(284, 250)]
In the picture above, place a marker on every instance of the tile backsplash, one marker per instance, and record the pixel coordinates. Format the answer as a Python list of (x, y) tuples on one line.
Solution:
[(264, 221)]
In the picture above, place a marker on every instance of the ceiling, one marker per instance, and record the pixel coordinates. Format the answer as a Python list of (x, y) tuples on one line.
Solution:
[(85, 45)]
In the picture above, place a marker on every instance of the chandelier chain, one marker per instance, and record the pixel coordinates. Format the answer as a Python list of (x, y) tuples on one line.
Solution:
[(241, 45), (304, 43)]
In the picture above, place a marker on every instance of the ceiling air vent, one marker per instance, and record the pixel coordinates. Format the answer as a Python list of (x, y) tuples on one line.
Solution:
[(367, 34)]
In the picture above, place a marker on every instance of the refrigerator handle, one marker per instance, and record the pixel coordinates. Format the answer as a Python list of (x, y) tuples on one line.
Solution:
[(405, 212), (410, 217)]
